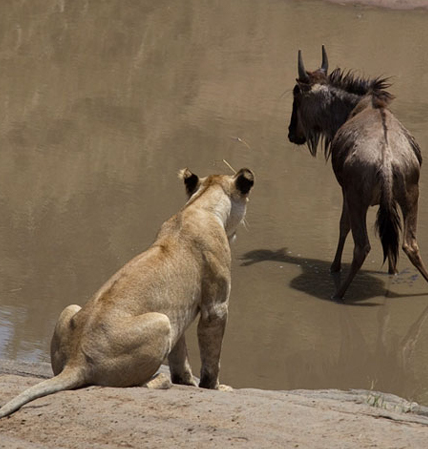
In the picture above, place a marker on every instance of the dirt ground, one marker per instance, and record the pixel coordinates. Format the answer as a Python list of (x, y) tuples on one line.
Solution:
[(101, 417)]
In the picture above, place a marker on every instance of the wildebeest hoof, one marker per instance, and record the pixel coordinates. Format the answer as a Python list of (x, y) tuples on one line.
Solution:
[(335, 297)]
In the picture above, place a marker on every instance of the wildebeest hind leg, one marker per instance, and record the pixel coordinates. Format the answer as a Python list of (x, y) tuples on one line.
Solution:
[(410, 245), (344, 229), (357, 217)]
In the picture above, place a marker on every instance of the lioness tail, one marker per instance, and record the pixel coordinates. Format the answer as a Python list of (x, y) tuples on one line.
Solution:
[(68, 379)]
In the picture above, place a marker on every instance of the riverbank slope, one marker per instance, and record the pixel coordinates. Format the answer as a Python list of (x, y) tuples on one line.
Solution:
[(101, 417)]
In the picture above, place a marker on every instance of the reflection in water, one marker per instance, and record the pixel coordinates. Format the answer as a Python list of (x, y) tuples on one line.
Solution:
[(102, 104), (387, 358), (385, 363)]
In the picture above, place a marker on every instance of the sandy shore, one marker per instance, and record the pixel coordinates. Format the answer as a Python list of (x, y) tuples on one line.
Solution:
[(100, 417), (392, 4)]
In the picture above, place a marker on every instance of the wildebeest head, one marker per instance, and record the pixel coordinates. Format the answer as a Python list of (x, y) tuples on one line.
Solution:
[(305, 126)]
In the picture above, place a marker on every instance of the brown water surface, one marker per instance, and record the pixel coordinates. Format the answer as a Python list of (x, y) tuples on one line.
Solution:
[(101, 103)]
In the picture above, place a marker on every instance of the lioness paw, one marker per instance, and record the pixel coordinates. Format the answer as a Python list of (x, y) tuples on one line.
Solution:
[(183, 379), (159, 382), (223, 387)]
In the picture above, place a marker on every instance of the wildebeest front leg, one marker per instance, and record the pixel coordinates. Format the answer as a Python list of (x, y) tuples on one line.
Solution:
[(357, 216), (410, 245), (210, 335), (344, 229), (179, 365)]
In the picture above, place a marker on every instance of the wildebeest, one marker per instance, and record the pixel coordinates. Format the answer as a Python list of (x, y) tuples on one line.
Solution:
[(375, 159)]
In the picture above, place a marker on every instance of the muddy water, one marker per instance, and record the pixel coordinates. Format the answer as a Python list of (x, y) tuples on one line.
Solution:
[(103, 102)]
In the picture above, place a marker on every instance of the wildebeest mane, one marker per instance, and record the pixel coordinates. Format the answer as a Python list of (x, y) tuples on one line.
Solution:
[(353, 84), (350, 84)]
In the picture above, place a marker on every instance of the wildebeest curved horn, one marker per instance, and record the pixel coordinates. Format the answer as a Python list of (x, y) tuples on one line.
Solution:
[(303, 76), (324, 64)]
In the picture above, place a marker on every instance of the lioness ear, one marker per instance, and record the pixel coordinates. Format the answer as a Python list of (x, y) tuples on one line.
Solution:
[(244, 180), (191, 181)]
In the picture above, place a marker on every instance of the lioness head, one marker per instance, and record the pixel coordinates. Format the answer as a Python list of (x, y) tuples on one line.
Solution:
[(226, 196)]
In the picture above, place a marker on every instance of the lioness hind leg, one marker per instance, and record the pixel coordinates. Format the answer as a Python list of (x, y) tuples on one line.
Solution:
[(60, 343), (135, 348)]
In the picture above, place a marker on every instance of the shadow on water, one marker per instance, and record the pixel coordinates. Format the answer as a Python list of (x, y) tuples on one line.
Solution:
[(317, 281)]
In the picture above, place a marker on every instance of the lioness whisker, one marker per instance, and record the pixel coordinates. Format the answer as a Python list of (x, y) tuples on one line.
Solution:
[(227, 163), (241, 141)]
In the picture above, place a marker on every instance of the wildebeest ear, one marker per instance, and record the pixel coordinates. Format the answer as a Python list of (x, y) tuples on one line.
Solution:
[(244, 180), (191, 181), (304, 87)]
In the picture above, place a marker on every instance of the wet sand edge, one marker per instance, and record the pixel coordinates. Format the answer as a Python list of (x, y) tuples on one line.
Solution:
[(387, 4)]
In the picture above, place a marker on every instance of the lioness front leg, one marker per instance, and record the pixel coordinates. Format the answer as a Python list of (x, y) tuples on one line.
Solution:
[(179, 366), (210, 335)]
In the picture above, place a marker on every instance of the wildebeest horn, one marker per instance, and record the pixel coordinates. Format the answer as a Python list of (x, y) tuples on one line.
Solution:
[(303, 76), (324, 64)]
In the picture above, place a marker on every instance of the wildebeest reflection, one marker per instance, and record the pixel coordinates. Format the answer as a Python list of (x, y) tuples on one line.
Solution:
[(375, 159)]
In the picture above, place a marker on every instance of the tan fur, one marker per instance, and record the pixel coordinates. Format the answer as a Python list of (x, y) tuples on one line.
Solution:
[(139, 317)]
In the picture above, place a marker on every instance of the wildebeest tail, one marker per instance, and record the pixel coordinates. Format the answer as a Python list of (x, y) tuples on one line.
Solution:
[(388, 222), (68, 379)]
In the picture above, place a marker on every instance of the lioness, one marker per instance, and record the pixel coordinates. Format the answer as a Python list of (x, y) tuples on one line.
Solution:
[(123, 334)]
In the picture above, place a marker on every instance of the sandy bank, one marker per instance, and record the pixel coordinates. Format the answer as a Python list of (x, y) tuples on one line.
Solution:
[(100, 417), (392, 4)]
